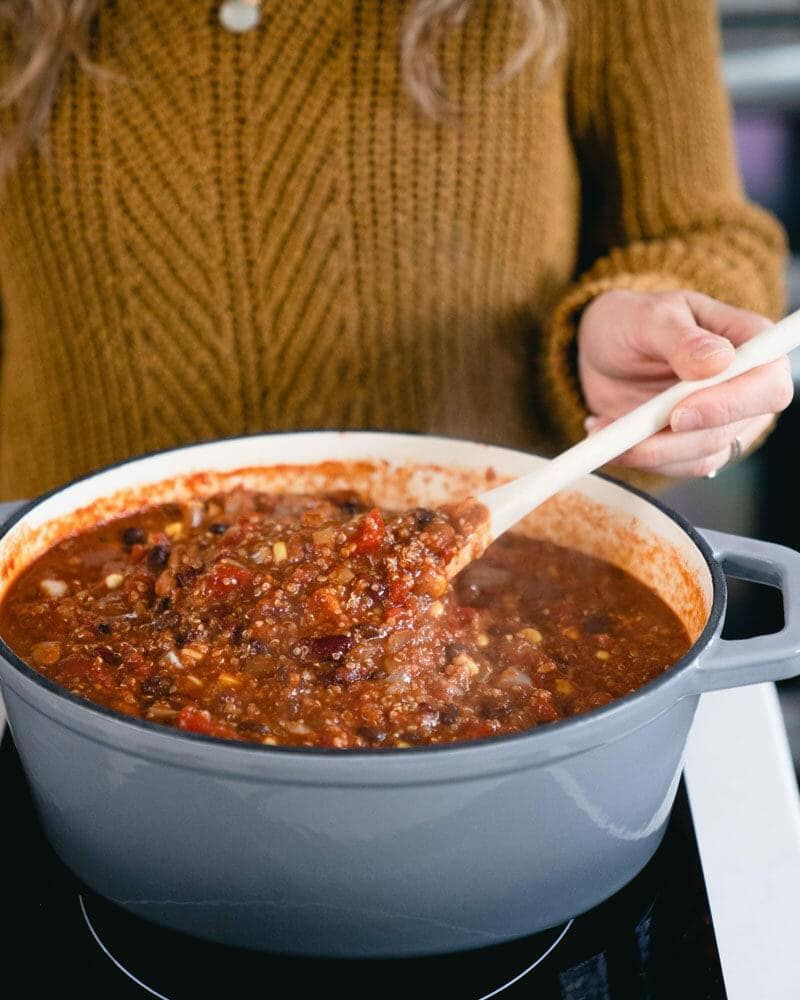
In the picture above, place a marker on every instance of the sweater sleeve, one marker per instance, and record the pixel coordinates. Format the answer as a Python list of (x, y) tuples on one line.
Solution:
[(662, 203)]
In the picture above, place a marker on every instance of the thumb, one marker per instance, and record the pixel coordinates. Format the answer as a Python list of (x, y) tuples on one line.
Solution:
[(691, 351), (698, 353)]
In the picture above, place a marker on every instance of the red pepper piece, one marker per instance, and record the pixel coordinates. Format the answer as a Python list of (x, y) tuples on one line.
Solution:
[(199, 720)]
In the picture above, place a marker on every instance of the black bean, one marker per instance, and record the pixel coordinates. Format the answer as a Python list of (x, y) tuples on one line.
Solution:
[(448, 714), (594, 624), (256, 728), (104, 628), (347, 674), (236, 634), (494, 708), (258, 648), (218, 528), (108, 655), (371, 734), (157, 686), (324, 647), (158, 556), (161, 605), (166, 621), (186, 575), (350, 507), (133, 536), (423, 516)]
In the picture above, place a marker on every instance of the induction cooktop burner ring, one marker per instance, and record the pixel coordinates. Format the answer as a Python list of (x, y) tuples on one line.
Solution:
[(161, 996), (99, 942), (521, 975)]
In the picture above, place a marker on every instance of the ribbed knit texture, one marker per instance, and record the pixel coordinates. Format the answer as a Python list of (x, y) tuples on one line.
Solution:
[(262, 232)]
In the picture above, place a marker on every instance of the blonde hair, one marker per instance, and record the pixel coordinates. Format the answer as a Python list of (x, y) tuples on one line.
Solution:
[(48, 33)]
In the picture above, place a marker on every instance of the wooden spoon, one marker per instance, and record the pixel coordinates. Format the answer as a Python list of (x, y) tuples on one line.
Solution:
[(510, 502)]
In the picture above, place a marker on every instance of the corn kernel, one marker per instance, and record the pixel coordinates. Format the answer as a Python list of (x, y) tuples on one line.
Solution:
[(602, 654), (174, 529), (482, 640), (436, 610), (571, 633), (531, 634), (402, 743), (270, 741), (563, 686), (113, 580), (279, 551)]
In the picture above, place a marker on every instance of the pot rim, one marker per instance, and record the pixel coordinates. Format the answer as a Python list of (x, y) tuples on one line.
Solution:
[(581, 726)]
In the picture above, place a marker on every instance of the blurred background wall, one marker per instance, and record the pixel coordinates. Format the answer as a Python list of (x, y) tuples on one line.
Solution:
[(761, 496)]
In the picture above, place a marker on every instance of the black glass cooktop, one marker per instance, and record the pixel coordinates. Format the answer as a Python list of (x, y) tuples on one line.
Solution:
[(652, 941)]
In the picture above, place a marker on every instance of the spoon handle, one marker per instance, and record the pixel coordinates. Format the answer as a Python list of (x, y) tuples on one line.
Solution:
[(512, 501)]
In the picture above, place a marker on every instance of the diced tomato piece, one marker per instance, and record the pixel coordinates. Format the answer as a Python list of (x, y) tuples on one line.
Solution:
[(371, 532), (398, 591), (225, 578), (199, 720), (465, 616), (545, 710), (77, 667)]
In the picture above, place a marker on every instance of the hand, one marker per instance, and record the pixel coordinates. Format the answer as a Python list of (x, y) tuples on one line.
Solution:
[(633, 345)]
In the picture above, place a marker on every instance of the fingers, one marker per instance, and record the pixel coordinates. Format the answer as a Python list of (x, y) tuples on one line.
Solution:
[(768, 389), (693, 453)]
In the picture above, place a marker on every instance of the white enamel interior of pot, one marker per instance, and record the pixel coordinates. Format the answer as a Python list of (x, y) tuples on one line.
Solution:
[(596, 517)]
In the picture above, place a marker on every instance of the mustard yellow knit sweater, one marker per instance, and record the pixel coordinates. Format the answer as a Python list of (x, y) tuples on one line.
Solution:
[(262, 231)]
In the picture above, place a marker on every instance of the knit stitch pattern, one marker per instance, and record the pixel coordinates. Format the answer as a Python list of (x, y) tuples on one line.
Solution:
[(262, 232)]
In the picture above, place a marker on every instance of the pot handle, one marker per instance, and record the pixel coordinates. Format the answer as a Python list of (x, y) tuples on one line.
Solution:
[(734, 662)]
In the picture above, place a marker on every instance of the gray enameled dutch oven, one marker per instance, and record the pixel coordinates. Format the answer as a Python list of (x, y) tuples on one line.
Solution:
[(383, 852)]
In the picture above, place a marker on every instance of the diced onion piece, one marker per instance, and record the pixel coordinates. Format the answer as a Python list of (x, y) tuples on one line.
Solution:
[(602, 654), (171, 658), (174, 529), (45, 654), (114, 580), (229, 679), (531, 634), (298, 728), (53, 588), (397, 640), (279, 552), (160, 713), (514, 677)]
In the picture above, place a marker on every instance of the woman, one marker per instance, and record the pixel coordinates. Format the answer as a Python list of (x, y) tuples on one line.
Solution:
[(482, 218)]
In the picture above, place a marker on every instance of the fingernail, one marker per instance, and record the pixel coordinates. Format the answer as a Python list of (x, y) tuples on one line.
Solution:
[(686, 420), (708, 347), (589, 424)]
